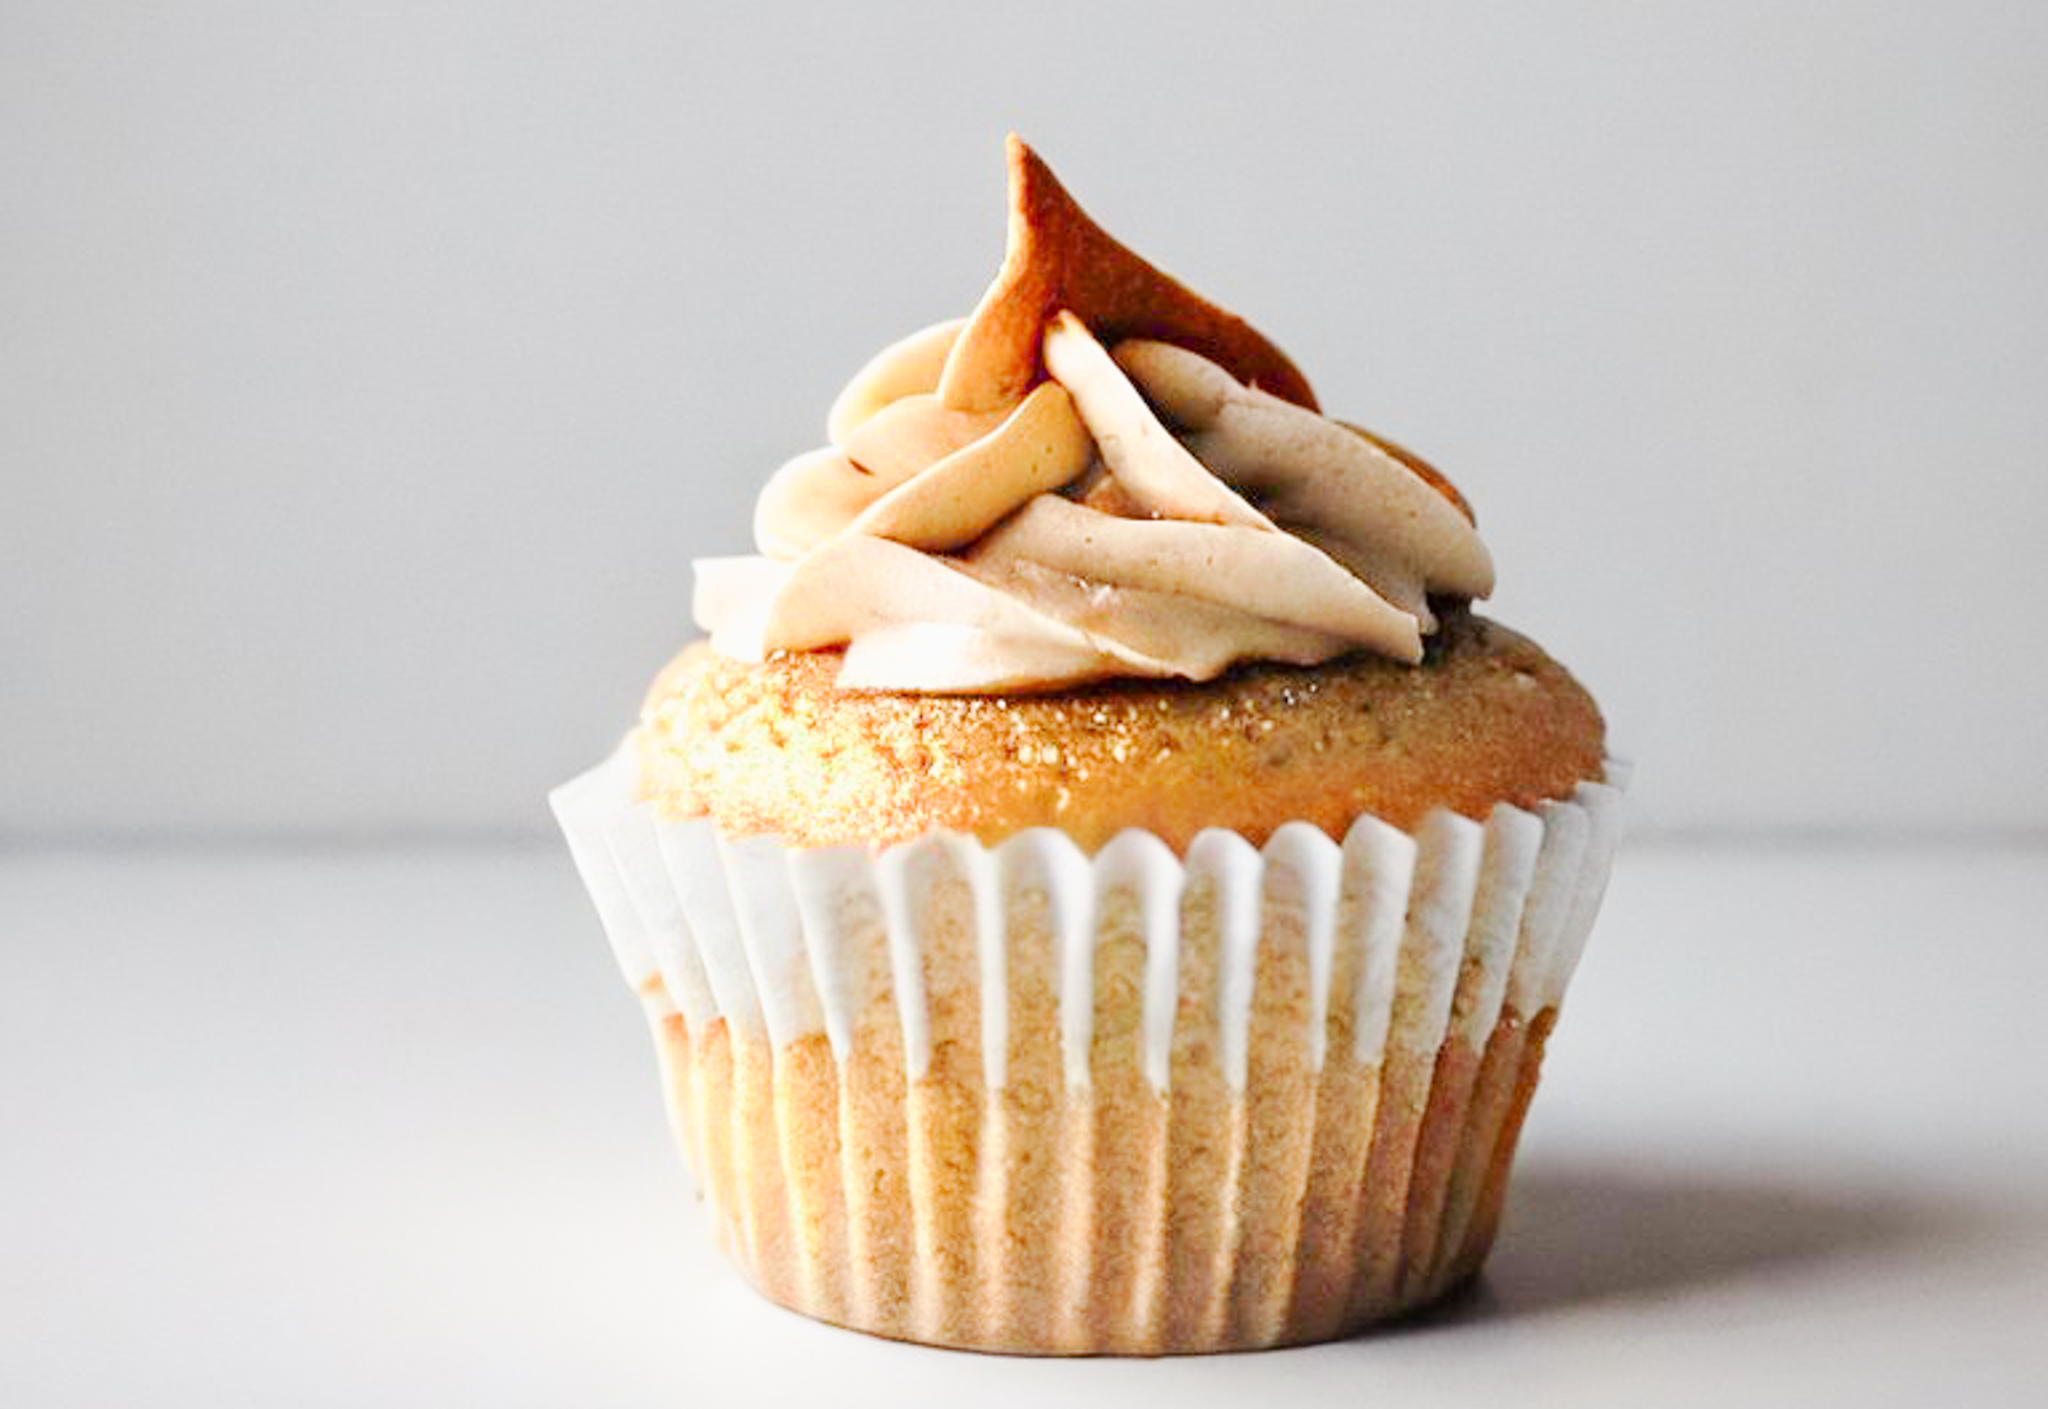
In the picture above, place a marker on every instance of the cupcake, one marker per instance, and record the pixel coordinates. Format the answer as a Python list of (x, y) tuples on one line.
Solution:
[(1099, 887)]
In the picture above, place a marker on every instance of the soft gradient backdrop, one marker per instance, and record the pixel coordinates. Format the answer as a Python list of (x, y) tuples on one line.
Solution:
[(370, 373)]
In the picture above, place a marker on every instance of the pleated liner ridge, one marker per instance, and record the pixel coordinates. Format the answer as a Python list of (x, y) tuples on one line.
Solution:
[(1019, 1098)]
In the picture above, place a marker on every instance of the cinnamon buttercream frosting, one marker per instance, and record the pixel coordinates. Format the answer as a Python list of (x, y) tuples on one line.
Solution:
[(1097, 474)]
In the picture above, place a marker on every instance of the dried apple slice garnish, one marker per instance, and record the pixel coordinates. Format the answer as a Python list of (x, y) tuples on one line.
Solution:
[(1056, 257)]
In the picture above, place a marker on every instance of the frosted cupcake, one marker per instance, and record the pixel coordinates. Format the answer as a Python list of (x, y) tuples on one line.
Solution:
[(1099, 888)]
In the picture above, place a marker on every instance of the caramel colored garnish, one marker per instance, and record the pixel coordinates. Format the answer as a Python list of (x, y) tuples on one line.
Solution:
[(1056, 258)]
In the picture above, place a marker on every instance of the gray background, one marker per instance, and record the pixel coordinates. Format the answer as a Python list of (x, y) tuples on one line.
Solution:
[(370, 374)]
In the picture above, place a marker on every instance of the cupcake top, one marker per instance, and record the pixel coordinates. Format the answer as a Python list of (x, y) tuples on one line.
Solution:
[(1091, 559), (1096, 475)]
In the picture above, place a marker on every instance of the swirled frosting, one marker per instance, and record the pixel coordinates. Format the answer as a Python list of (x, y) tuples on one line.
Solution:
[(1096, 474)]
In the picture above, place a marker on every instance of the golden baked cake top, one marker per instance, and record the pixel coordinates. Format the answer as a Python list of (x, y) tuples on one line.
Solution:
[(778, 748), (1098, 474)]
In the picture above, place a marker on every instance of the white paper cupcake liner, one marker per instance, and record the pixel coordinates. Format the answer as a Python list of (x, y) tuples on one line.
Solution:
[(1023, 1098)]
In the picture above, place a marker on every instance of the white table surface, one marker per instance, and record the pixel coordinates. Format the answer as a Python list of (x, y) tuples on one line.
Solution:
[(382, 1127)]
